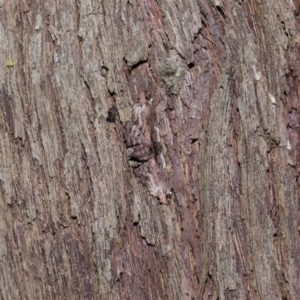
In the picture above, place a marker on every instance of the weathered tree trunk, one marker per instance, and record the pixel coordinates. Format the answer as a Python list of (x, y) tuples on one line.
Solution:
[(149, 149)]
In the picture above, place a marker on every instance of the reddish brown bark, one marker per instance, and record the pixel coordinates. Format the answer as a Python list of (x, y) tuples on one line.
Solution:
[(149, 150)]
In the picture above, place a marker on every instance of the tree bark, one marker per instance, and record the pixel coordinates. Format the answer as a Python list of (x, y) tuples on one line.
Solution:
[(149, 149)]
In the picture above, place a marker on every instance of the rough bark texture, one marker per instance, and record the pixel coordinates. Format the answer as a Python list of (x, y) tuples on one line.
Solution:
[(149, 149)]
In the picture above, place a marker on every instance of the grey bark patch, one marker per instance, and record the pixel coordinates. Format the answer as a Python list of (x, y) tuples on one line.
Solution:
[(172, 72), (140, 136)]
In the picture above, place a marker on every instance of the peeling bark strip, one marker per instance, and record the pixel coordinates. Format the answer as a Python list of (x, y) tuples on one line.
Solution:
[(205, 94), (142, 136)]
